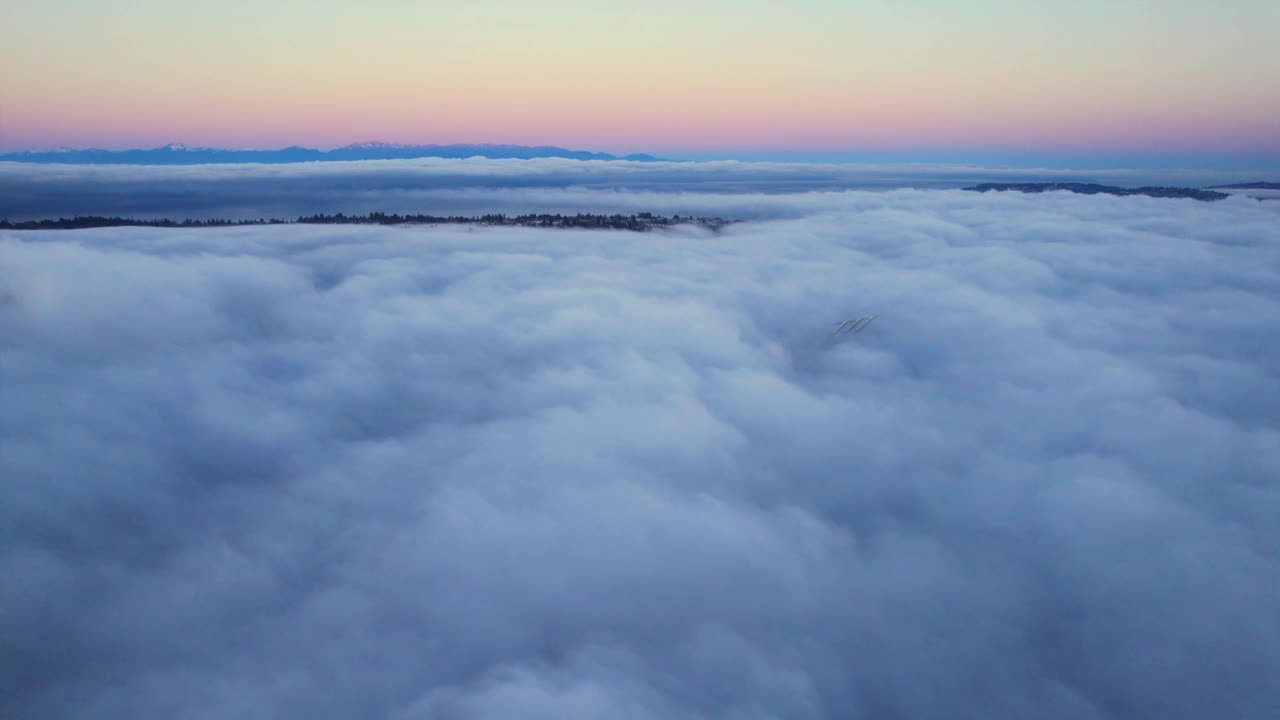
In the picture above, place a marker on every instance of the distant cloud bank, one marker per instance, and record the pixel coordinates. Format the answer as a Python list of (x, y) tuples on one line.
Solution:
[(473, 186), (336, 472)]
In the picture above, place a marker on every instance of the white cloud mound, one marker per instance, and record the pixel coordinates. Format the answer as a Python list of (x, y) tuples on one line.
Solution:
[(339, 472)]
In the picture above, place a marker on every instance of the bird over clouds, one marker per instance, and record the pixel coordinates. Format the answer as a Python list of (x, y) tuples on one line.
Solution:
[(471, 473)]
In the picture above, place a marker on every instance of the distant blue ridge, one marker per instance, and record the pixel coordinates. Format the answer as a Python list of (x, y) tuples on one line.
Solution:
[(182, 155)]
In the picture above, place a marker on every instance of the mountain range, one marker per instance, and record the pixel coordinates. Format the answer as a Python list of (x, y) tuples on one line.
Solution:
[(179, 154)]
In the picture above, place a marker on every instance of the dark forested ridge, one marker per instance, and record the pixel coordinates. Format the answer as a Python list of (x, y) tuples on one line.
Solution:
[(1248, 186), (637, 222), (1095, 189)]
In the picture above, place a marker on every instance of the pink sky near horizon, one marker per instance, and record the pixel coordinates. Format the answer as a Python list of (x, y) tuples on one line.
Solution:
[(627, 129)]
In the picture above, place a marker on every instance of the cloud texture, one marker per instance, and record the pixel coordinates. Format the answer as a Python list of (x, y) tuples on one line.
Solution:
[(459, 473)]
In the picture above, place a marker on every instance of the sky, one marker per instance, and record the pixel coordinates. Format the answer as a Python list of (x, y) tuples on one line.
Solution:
[(690, 78), (467, 473)]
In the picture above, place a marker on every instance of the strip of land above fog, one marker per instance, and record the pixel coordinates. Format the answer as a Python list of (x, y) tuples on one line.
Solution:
[(1093, 188), (637, 222)]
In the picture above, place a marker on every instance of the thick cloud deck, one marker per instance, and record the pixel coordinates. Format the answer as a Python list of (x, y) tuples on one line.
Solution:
[(339, 472)]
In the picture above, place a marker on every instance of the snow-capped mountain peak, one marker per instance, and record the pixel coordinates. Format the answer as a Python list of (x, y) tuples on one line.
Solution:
[(373, 145)]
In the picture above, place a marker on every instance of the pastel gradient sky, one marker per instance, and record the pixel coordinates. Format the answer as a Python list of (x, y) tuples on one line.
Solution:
[(691, 76)]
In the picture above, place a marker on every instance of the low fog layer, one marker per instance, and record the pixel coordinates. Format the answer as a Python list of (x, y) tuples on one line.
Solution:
[(457, 473), (477, 186)]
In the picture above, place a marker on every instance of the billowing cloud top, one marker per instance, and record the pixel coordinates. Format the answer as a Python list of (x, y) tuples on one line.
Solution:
[(407, 473)]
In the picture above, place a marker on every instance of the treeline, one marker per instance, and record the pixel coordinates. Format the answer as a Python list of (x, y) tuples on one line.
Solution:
[(638, 222), (98, 221), (1096, 189)]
